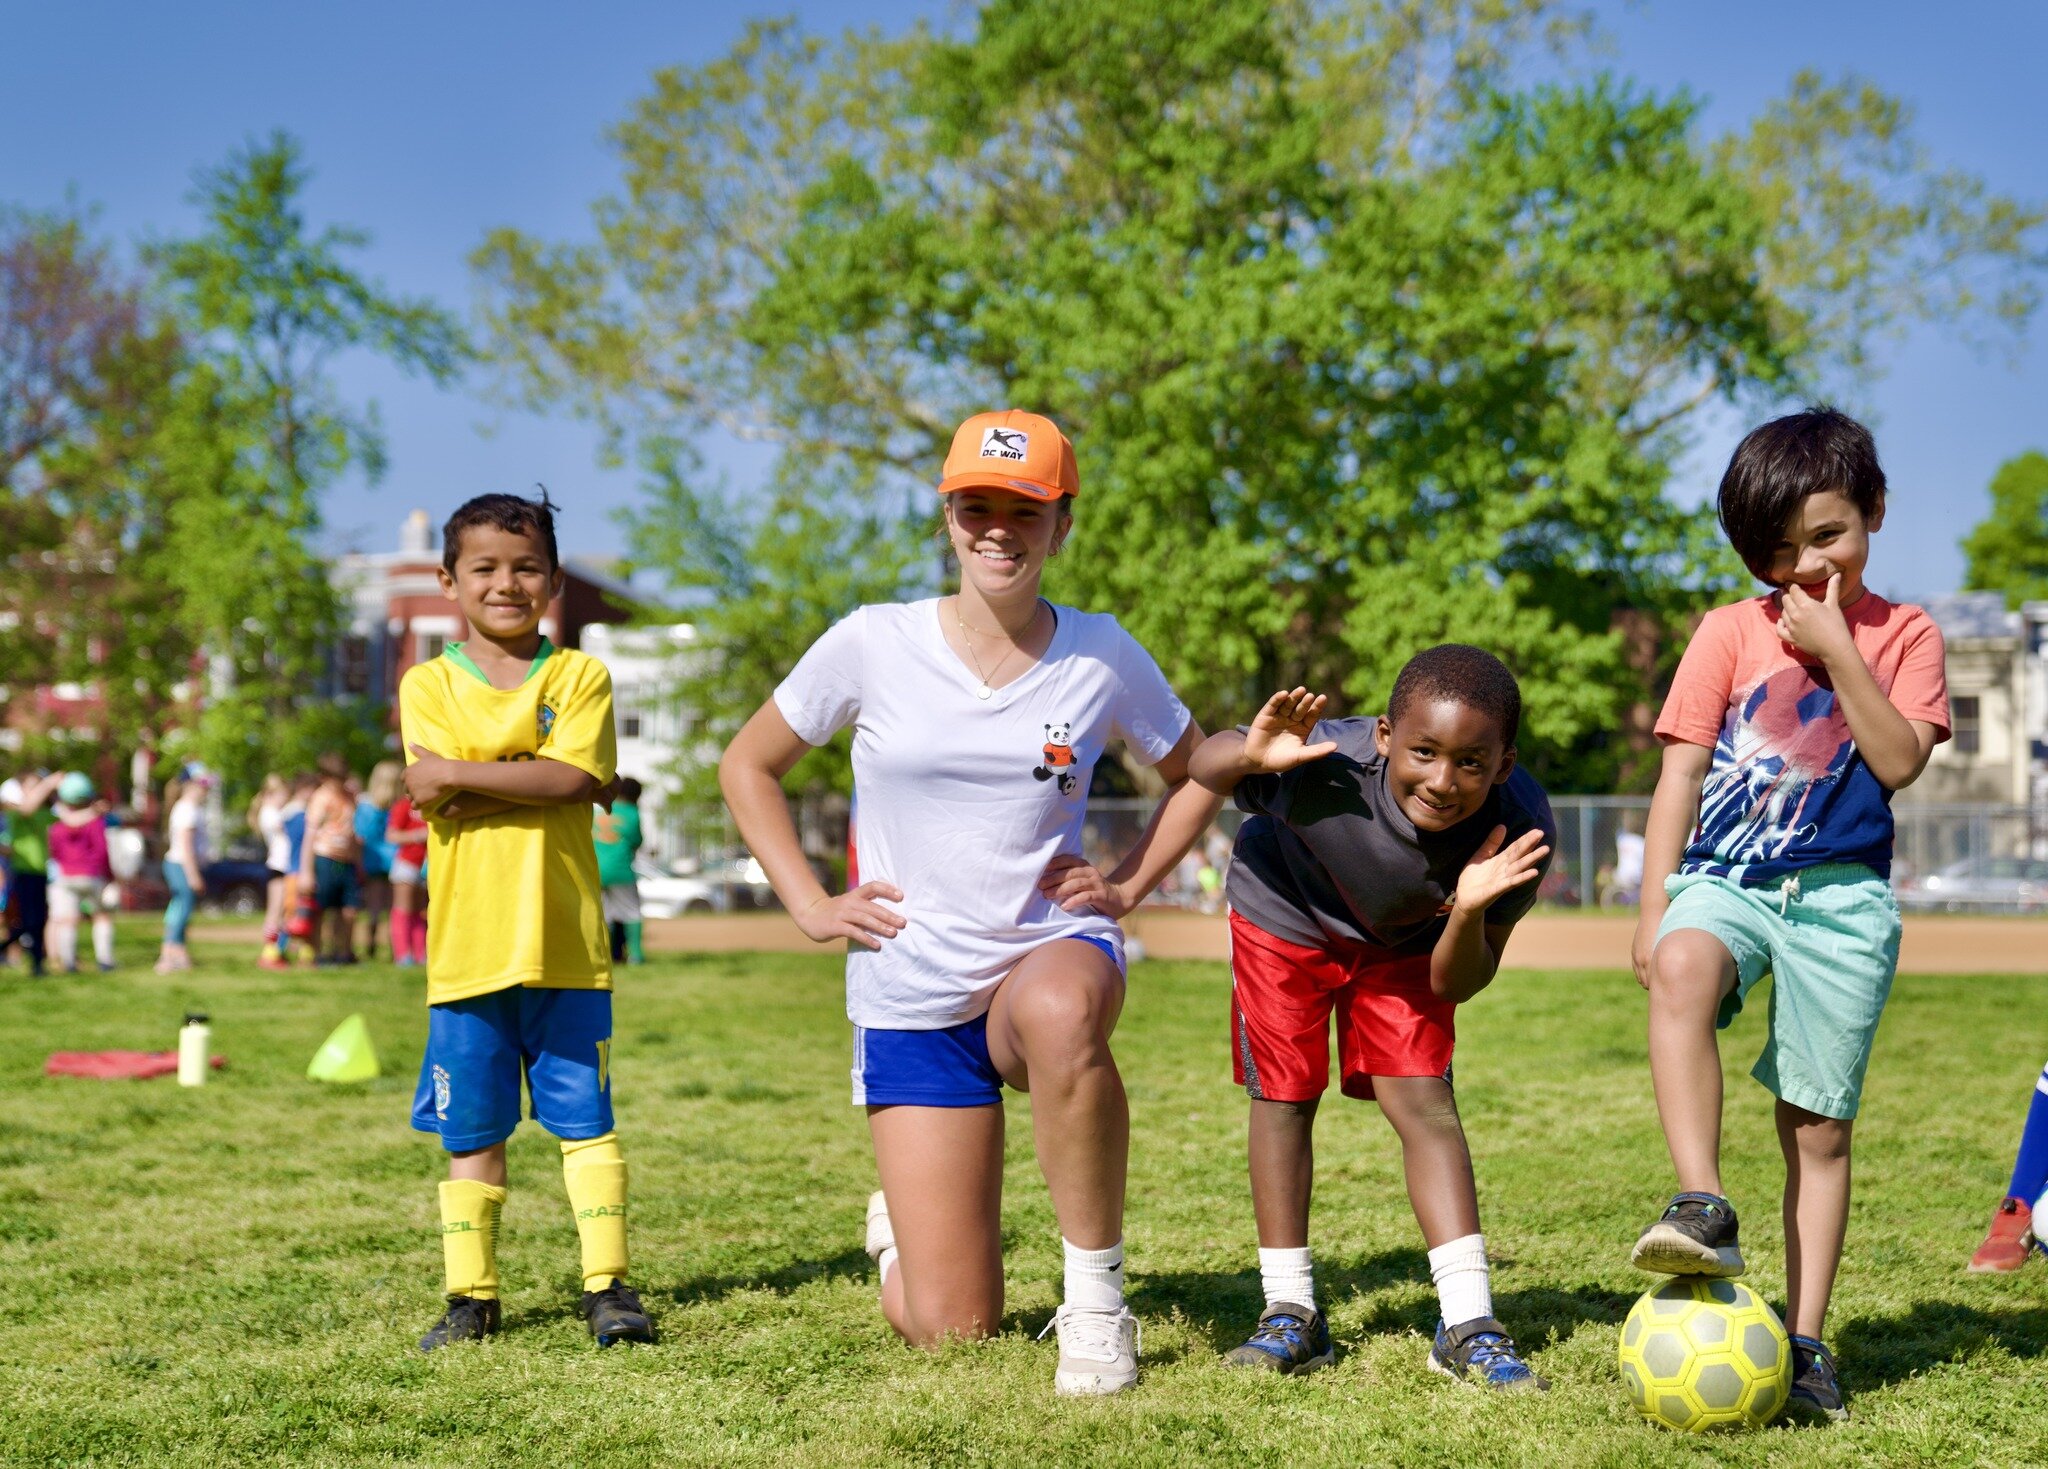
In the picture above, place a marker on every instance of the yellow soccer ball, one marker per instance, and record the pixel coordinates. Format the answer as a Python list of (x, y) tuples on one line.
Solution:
[(1699, 1355)]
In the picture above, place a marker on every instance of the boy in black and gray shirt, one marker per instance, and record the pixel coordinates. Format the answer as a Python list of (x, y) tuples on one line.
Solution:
[(1382, 866)]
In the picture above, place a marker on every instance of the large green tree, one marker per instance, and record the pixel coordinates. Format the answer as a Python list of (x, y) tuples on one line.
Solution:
[(2008, 549), (86, 367), (1362, 348), (165, 433), (257, 430)]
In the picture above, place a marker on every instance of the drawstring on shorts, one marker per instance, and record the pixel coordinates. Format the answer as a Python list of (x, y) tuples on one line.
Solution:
[(1788, 893)]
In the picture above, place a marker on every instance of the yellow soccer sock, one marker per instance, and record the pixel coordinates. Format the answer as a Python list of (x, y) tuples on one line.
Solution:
[(595, 1172), (469, 1237)]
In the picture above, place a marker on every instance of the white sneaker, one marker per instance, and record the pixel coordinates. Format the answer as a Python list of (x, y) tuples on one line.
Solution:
[(881, 1235), (1098, 1350)]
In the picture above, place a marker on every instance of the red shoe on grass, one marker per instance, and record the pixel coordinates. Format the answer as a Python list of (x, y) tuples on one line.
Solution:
[(2009, 1241)]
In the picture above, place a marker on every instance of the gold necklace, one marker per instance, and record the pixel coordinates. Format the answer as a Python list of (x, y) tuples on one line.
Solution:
[(986, 691)]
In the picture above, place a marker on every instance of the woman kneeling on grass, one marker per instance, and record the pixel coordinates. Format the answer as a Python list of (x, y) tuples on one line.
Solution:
[(985, 952)]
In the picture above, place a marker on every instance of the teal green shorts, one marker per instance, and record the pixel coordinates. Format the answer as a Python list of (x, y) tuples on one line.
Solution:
[(1830, 939)]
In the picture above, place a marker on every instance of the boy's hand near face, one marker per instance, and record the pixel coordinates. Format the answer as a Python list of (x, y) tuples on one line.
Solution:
[(1275, 742), (1467, 953), (1494, 871), (1815, 625), (1278, 738)]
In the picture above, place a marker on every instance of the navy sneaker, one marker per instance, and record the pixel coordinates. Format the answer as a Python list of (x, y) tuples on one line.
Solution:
[(1816, 1390), (1290, 1340), (466, 1319), (615, 1314), (1695, 1235), (1481, 1351)]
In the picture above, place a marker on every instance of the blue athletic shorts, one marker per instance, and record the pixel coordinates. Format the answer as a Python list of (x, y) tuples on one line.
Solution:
[(949, 1067), (478, 1048)]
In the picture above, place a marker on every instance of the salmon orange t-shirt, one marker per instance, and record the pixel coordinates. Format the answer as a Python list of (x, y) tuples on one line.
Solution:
[(1787, 789)]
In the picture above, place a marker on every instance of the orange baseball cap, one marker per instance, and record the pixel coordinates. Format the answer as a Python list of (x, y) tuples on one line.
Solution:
[(1011, 450)]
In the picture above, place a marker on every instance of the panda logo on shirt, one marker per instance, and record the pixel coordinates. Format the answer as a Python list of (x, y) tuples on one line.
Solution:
[(1057, 758)]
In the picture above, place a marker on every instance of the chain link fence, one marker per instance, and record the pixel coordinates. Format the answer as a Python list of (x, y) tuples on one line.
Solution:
[(1985, 858)]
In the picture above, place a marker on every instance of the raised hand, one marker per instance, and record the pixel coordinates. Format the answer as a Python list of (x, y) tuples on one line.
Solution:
[(1077, 886), (1815, 624), (855, 915), (1278, 738), (1495, 871)]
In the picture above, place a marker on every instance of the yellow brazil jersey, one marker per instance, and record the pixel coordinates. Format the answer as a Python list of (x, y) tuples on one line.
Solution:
[(513, 898)]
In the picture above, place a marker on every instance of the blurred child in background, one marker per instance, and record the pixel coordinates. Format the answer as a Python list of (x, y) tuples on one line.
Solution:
[(406, 830), (616, 833), (81, 873), (373, 815)]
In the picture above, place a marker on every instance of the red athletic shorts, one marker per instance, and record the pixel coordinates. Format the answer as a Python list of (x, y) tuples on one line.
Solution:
[(1282, 994)]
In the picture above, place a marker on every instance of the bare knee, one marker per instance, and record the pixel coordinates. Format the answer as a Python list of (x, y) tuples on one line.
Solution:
[(1418, 1104), (1063, 1014), (1816, 1138), (1272, 1113), (967, 1316), (1690, 970)]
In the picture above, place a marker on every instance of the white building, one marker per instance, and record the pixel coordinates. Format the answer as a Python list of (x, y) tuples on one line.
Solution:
[(644, 664), (1998, 703)]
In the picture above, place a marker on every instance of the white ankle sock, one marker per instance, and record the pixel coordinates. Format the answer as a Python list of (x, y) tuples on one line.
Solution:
[(1463, 1286), (1288, 1275), (1095, 1278)]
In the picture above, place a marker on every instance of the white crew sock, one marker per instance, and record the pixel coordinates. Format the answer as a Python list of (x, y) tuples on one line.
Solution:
[(1095, 1278), (64, 945), (884, 1263), (1288, 1275), (103, 941), (1463, 1288)]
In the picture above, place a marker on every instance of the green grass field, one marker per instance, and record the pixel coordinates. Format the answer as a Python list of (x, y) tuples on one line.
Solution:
[(238, 1273)]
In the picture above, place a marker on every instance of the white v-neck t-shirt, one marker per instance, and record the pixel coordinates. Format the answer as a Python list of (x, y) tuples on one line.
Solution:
[(963, 801)]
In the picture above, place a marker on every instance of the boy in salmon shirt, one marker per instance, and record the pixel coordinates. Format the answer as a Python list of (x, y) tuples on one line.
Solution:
[(1793, 718)]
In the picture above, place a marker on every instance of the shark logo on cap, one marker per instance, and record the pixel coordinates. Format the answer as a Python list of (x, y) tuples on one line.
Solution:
[(1004, 443)]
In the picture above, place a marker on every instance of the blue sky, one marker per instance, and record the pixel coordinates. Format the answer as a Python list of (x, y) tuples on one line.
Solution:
[(427, 124)]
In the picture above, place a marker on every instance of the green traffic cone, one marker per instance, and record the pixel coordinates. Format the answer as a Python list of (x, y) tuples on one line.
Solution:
[(346, 1055)]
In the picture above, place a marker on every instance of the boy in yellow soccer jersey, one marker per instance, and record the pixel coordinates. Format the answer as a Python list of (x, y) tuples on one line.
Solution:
[(508, 742)]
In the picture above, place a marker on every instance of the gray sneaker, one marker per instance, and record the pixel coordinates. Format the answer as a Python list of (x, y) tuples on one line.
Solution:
[(1816, 1389), (1098, 1350), (1695, 1235)]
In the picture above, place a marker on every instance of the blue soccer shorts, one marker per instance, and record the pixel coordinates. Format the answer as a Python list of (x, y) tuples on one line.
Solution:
[(477, 1050), (948, 1067)]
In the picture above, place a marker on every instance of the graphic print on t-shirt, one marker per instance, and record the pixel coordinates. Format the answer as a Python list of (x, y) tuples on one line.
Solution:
[(1787, 789), (1056, 758), (1784, 743)]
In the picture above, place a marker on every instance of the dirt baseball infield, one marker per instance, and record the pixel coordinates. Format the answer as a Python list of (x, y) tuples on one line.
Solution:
[(1934, 944)]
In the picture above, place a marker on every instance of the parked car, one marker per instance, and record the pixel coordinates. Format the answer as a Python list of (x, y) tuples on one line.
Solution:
[(1997, 884), (667, 895), (237, 884), (741, 882)]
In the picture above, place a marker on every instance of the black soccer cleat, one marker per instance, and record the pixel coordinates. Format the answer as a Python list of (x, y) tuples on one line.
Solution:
[(466, 1319), (1289, 1339), (1816, 1390), (615, 1314), (1695, 1235)]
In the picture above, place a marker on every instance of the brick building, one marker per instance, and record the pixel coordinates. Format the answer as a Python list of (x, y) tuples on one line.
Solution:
[(397, 616)]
